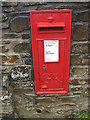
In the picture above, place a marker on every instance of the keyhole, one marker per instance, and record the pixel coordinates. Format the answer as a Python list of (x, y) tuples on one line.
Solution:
[(44, 67)]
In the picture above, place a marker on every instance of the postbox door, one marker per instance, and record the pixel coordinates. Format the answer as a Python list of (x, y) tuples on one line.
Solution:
[(51, 63)]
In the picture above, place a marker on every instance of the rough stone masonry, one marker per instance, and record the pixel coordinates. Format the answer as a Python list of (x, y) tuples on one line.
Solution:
[(18, 97)]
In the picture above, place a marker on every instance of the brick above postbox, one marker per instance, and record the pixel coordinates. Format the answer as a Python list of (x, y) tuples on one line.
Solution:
[(51, 38)]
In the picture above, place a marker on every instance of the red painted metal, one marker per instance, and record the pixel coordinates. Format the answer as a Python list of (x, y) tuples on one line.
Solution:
[(51, 77)]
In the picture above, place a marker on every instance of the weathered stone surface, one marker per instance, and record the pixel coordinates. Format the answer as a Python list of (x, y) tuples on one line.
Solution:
[(26, 91), (20, 78), (20, 23), (5, 42), (4, 26), (74, 82), (80, 60), (57, 96), (86, 92), (4, 49), (75, 60), (83, 81), (31, 8), (26, 59), (23, 85), (22, 48), (46, 7), (79, 72), (4, 80), (80, 32), (25, 103), (79, 81), (3, 68), (68, 5), (77, 93), (86, 61), (80, 48), (21, 73), (32, 3), (82, 15), (68, 99), (45, 100), (4, 18), (66, 104), (9, 4), (7, 109), (25, 36), (83, 104), (11, 35), (76, 88), (64, 111), (7, 59), (9, 10)]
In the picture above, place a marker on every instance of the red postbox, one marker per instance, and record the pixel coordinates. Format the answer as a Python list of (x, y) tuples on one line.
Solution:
[(51, 37)]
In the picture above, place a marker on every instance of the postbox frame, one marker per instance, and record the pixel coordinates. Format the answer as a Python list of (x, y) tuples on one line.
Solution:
[(67, 63)]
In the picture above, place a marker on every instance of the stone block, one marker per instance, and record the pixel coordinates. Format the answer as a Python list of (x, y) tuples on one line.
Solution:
[(9, 10), (32, 3), (80, 32), (77, 93), (86, 91), (84, 81), (72, 6), (7, 110), (9, 59), (76, 59), (5, 42), (20, 23), (45, 100), (68, 99), (79, 81), (9, 4), (27, 91), (82, 15), (25, 36), (46, 7), (76, 88), (4, 80), (80, 60), (10, 35), (74, 82), (26, 59), (22, 48), (79, 72), (22, 73), (80, 47), (4, 17), (20, 85), (4, 49), (4, 26), (3, 68)]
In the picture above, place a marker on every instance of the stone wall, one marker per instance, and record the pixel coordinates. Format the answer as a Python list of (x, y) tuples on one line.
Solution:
[(15, 51)]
